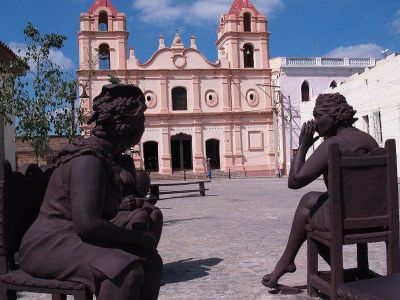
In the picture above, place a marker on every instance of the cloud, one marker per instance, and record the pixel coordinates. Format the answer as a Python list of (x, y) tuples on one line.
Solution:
[(197, 11), (56, 56), (361, 50), (396, 23)]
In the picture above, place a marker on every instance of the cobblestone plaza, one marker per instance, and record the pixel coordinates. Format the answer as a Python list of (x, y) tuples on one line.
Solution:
[(219, 246)]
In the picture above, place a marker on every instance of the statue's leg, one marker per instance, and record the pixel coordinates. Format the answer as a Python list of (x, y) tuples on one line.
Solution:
[(297, 237), (127, 286), (156, 223), (153, 269)]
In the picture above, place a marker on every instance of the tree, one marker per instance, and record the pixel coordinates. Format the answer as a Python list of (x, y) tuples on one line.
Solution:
[(43, 99)]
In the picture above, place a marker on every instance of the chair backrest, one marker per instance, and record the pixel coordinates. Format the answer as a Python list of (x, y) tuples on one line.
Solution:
[(21, 197), (363, 187)]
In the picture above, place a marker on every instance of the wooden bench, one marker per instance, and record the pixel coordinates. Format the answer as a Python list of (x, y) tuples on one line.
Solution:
[(380, 288), (155, 188)]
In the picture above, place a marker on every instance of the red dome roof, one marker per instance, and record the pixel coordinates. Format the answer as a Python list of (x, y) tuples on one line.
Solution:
[(103, 3), (238, 5)]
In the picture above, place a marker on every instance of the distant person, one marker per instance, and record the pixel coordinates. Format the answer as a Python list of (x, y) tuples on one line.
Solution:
[(209, 172), (333, 121)]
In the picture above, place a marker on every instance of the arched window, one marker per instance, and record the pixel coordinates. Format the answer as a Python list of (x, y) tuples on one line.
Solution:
[(305, 91), (103, 21), (179, 98), (247, 22), (104, 57), (248, 56), (333, 84)]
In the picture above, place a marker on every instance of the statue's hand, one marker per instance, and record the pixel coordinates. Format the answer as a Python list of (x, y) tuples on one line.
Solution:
[(145, 239), (128, 203), (307, 138)]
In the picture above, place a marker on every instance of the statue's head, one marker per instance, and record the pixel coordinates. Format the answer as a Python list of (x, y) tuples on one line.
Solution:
[(118, 112), (332, 111)]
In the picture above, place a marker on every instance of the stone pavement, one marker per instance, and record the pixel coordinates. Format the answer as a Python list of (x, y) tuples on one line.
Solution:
[(220, 246)]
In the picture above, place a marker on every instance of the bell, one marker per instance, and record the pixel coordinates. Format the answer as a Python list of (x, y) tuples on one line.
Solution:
[(84, 95)]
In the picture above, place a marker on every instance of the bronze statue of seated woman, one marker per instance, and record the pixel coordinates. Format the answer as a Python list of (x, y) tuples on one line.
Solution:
[(78, 234), (333, 121)]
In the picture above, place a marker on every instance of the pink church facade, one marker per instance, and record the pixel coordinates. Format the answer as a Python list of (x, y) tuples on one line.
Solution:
[(197, 109)]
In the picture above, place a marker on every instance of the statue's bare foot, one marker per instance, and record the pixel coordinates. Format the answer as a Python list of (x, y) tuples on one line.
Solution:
[(271, 280)]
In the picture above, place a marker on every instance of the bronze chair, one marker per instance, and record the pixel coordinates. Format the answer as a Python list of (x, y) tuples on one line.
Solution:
[(363, 199), (21, 196)]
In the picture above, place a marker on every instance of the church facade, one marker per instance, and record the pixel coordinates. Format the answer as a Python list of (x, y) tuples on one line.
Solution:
[(197, 109)]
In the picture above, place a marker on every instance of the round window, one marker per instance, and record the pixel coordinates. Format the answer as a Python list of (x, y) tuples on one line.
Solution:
[(151, 99), (211, 98)]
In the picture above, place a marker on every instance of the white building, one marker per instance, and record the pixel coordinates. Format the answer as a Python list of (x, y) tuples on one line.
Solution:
[(375, 94), (297, 80)]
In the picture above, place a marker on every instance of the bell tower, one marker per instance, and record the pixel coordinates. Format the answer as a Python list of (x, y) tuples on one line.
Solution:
[(243, 37), (102, 38)]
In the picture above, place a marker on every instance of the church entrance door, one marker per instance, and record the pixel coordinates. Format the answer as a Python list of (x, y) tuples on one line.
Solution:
[(150, 155), (212, 152), (181, 152)]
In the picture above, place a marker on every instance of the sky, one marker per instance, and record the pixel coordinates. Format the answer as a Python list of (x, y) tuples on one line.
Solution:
[(299, 28)]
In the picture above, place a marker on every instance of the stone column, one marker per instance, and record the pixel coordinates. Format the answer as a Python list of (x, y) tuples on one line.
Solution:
[(198, 149), (196, 93), (238, 147), (229, 158), (226, 95), (165, 163), (235, 61), (164, 93)]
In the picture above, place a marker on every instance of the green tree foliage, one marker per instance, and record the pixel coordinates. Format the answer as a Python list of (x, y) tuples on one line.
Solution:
[(42, 98)]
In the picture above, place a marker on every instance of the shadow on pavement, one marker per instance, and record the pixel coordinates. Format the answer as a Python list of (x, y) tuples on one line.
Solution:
[(287, 290), (188, 269), (175, 221), (187, 196)]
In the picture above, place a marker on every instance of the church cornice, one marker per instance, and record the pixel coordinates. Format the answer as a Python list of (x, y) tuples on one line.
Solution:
[(237, 34), (321, 71), (108, 34)]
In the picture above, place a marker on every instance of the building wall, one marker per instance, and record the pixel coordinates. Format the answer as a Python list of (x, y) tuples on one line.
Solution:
[(375, 91), (289, 75)]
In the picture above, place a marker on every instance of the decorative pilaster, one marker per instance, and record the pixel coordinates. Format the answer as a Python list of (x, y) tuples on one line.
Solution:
[(164, 93), (226, 94), (165, 164), (236, 96), (196, 93), (238, 147), (229, 158), (199, 162)]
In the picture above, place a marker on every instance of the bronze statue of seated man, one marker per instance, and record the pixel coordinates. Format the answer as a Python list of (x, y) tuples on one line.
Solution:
[(333, 121), (75, 236)]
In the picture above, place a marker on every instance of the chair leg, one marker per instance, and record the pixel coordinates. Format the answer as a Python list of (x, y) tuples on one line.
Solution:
[(86, 295), (312, 266), (7, 294), (336, 269), (362, 258), (58, 297), (392, 258)]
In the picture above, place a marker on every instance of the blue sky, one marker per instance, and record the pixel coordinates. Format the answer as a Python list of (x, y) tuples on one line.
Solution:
[(299, 28)]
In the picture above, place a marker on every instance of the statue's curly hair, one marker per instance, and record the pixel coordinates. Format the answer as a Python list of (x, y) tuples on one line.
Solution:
[(337, 108), (118, 111)]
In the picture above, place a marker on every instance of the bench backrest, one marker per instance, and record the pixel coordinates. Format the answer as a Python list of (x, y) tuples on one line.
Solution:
[(363, 187), (21, 197)]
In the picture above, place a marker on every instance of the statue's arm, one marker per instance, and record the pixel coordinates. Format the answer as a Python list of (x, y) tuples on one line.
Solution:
[(88, 181), (302, 171)]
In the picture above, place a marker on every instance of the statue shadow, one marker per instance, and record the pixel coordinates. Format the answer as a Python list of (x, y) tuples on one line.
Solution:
[(176, 221), (188, 269), (287, 290)]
